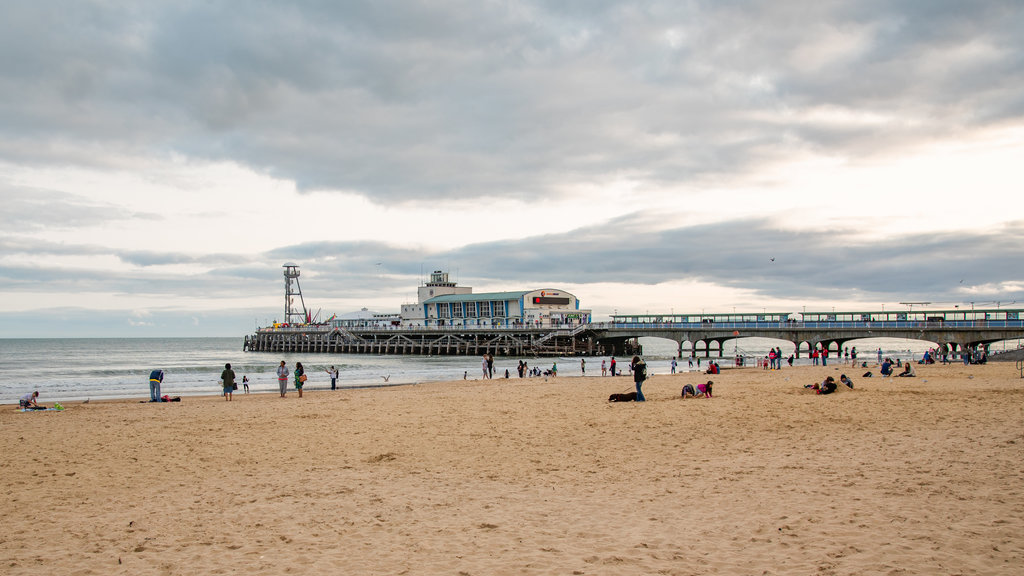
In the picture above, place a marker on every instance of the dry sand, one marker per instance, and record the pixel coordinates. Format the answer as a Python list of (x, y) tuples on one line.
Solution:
[(899, 476)]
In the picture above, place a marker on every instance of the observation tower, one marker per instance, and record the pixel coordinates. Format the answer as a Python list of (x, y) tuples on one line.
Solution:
[(293, 314)]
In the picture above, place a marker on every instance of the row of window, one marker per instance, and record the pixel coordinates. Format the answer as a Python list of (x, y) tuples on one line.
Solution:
[(471, 309)]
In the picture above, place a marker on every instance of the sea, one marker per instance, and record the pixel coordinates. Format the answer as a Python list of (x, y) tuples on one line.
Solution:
[(78, 369)]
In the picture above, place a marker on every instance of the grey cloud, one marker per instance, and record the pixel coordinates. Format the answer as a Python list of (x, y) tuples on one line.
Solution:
[(30, 209), (814, 266), (399, 100)]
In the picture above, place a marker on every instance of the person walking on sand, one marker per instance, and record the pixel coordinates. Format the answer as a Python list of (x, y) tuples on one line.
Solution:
[(156, 377), (282, 378), (333, 372), (227, 378), (604, 367), (639, 368), (300, 377)]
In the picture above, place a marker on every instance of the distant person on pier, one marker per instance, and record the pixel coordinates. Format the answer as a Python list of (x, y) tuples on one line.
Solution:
[(639, 368), (156, 377), (282, 378), (300, 377), (227, 379)]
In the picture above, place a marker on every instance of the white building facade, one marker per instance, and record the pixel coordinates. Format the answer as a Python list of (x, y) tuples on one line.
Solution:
[(443, 303)]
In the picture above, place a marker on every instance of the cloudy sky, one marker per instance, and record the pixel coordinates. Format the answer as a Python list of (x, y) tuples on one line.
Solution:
[(160, 161)]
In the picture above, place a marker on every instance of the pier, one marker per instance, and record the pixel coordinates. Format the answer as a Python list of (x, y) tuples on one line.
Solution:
[(954, 331), (439, 340)]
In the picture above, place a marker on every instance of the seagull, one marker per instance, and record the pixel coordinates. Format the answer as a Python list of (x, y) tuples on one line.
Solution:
[(772, 259), (386, 378)]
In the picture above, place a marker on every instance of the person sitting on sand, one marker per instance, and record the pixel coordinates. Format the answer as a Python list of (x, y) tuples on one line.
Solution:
[(28, 401), (886, 369), (828, 386), (689, 391), (847, 381), (908, 371)]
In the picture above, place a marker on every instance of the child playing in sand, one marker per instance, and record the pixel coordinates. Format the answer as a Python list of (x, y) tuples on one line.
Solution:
[(704, 390), (689, 391)]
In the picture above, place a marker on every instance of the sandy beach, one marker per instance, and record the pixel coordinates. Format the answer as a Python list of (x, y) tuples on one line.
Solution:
[(898, 476)]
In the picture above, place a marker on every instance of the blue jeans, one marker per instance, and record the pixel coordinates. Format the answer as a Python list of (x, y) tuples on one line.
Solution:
[(154, 390), (639, 393)]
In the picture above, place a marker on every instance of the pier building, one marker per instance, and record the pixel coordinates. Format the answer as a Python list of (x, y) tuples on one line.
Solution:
[(442, 302)]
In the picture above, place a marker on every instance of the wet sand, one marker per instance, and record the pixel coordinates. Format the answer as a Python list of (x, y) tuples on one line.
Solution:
[(898, 476)]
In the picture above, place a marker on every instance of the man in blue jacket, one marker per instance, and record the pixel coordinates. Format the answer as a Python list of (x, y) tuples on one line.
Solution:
[(156, 377)]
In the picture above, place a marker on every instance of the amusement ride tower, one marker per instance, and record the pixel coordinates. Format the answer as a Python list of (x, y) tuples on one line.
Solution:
[(293, 314)]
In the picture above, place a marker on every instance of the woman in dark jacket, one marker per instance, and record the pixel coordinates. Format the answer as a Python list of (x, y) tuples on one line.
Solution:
[(639, 375)]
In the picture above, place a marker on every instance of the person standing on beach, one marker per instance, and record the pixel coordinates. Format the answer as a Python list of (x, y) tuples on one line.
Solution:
[(227, 378), (604, 367), (673, 365), (613, 365), (282, 378), (639, 368), (333, 372), (300, 377), (483, 366), (583, 367), (490, 365), (156, 377)]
